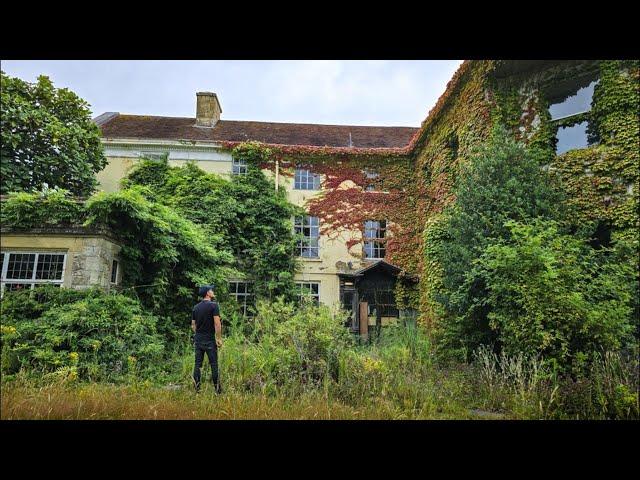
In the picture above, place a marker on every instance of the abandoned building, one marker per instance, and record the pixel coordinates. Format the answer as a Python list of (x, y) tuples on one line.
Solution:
[(584, 114)]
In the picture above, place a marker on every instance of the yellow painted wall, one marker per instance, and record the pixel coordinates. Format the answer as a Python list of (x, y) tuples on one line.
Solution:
[(332, 250), (119, 167)]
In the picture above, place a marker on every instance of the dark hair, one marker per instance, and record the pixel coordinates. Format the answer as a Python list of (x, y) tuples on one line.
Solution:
[(203, 289)]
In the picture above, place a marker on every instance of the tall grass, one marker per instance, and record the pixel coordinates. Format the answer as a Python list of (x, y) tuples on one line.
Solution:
[(303, 365)]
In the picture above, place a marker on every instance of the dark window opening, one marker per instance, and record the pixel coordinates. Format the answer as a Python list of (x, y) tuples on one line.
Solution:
[(601, 238), (242, 292), (114, 272), (381, 303), (452, 145)]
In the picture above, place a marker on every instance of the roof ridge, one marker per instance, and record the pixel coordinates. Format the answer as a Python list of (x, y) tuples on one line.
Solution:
[(117, 114)]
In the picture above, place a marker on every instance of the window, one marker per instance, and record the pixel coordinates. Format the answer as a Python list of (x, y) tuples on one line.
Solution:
[(569, 107), (579, 102), (114, 272), (385, 302), (572, 137), (306, 180), (243, 294), (371, 177), (155, 156), (238, 166), (27, 269), (374, 238), (309, 228), (308, 291)]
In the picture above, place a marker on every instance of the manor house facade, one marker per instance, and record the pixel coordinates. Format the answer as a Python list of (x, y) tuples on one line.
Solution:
[(582, 115)]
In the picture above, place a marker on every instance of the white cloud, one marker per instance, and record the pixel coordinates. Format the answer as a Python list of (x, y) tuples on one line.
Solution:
[(379, 92)]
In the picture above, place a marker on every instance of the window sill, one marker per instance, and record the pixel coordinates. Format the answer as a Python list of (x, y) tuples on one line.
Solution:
[(306, 259)]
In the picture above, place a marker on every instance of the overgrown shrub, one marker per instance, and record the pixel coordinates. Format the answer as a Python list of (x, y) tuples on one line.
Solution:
[(166, 255), (551, 294), (502, 181), (90, 335), (288, 348), (245, 215), (48, 208)]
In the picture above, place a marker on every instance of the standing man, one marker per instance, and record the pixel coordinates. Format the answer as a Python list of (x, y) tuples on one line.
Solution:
[(205, 319)]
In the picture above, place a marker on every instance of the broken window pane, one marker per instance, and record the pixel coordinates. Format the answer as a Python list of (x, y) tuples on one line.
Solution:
[(571, 138), (579, 102)]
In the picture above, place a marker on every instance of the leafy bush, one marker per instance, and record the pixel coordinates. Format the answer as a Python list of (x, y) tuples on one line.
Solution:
[(245, 215), (551, 294), (50, 207), (166, 255), (287, 348), (502, 181), (90, 335)]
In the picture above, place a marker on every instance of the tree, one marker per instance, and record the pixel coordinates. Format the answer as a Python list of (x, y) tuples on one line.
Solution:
[(502, 181), (245, 215), (48, 138)]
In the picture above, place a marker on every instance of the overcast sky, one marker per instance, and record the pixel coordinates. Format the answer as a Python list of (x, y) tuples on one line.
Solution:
[(314, 91)]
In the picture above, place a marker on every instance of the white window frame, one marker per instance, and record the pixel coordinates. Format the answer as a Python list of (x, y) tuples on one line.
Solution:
[(375, 242), (239, 166), (305, 179), (301, 284), (33, 281), (245, 296), (298, 228)]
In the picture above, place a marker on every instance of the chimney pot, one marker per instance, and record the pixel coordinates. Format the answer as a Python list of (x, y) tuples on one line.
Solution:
[(208, 109)]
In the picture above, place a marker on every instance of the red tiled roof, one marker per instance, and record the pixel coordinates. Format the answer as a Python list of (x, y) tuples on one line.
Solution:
[(180, 128)]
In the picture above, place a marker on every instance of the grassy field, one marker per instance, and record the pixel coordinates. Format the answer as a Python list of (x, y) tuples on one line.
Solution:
[(110, 402)]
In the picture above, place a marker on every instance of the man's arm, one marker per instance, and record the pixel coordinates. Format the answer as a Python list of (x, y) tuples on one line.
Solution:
[(193, 326), (218, 326)]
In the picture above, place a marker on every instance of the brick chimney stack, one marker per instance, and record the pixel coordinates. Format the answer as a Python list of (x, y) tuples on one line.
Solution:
[(207, 110)]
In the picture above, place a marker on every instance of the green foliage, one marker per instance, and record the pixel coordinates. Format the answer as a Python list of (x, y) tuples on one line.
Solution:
[(166, 254), (48, 138), (87, 335), (245, 216), (552, 295), (501, 182), (50, 207), (288, 347)]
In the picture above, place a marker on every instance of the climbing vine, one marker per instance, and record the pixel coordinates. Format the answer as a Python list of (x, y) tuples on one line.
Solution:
[(345, 203), (601, 181)]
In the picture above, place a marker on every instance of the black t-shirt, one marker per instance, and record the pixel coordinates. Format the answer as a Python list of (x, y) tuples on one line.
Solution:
[(203, 314)]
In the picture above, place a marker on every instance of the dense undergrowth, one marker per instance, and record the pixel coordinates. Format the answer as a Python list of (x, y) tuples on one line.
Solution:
[(286, 363)]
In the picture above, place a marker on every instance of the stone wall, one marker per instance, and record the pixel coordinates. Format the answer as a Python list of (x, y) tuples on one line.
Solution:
[(90, 254)]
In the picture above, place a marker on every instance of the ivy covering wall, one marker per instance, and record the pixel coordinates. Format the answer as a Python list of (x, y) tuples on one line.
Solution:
[(601, 181)]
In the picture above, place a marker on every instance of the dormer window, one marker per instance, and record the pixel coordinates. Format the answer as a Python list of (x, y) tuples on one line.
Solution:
[(570, 107)]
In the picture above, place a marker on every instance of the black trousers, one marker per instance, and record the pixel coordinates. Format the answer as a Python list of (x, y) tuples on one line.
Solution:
[(209, 347)]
